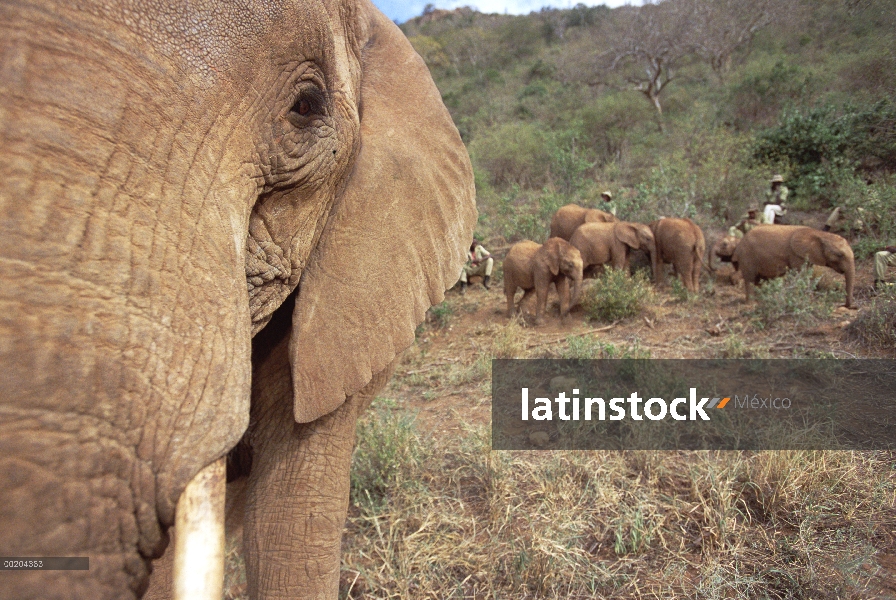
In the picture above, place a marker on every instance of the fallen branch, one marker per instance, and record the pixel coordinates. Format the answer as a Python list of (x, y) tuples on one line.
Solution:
[(432, 366), (566, 337)]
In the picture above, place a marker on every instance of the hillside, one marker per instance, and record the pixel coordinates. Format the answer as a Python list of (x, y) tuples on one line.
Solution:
[(547, 121)]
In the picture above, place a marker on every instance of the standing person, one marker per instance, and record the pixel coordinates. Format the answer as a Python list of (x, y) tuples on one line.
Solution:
[(609, 205), (774, 200), (882, 260), (479, 262)]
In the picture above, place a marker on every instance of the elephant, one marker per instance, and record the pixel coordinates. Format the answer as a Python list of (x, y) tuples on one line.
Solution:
[(195, 203), (680, 242), (611, 243), (767, 251), (723, 249), (532, 266), (569, 217)]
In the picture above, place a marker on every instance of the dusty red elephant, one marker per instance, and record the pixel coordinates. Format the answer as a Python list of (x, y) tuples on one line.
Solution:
[(169, 173)]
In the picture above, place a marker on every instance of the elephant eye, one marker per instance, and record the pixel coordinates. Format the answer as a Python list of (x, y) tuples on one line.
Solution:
[(303, 107), (309, 101)]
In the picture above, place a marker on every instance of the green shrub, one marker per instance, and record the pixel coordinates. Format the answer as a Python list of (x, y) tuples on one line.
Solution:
[(614, 295), (825, 145), (439, 315), (793, 299)]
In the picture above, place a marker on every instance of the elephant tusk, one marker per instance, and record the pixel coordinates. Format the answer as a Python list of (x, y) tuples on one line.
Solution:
[(199, 536)]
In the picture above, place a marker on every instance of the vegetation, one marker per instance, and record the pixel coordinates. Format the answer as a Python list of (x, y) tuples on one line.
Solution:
[(555, 108), (615, 295), (552, 111), (793, 299), (876, 327), (463, 521)]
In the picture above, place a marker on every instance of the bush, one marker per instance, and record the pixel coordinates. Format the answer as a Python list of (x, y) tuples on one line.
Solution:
[(825, 145), (614, 295), (793, 299), (876, 327)]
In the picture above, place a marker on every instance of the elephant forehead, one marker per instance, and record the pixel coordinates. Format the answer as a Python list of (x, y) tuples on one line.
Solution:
[(209, 39)]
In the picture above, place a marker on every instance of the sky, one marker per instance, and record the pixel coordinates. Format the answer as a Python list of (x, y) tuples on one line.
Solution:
[(402, 10)]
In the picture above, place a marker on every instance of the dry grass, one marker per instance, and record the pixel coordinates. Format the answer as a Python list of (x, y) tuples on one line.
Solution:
[(876, 327), (462, 521)]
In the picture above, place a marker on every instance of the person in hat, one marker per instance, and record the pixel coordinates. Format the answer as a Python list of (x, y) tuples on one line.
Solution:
[(748, 221), (479, 262), (774, 201), (609, 205)]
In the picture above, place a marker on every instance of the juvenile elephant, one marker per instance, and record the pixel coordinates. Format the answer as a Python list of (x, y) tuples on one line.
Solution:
[(723, 249), (172, 174), (767, 251), (681, 243), (611, 243), (532, 266), (568, 218)]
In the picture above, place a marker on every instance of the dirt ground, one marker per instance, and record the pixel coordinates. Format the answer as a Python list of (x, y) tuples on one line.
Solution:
[(712, 325)]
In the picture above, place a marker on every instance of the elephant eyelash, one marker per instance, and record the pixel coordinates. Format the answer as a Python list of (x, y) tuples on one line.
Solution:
[(309, 102)]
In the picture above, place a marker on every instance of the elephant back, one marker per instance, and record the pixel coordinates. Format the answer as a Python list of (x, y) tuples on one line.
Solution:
[(819, 247)]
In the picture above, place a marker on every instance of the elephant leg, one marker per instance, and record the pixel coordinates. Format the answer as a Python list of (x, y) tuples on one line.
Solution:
[(541, 300), (510, 306), (696, 266), (526, 294), (298, 488)]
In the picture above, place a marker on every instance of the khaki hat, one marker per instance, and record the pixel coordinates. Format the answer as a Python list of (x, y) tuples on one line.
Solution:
[(752, 209), (777, 179), (607, 194)]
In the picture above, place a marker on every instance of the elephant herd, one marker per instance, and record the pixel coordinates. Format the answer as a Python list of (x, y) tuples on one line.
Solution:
[(583, 239)]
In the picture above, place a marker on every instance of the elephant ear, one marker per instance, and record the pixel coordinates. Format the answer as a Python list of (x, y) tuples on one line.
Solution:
[(396, 235), (627, 234), (551, 252), (806, 243)]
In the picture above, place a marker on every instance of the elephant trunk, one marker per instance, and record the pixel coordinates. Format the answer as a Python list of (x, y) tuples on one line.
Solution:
[(849, 275), (125, 351), (576, 289), (199, 538)]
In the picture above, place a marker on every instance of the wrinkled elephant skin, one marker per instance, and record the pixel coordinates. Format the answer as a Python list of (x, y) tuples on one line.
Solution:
[(171, 174)]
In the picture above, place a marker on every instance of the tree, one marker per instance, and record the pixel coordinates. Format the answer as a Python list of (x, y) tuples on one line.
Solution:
[(649, 46), (721, 27)]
